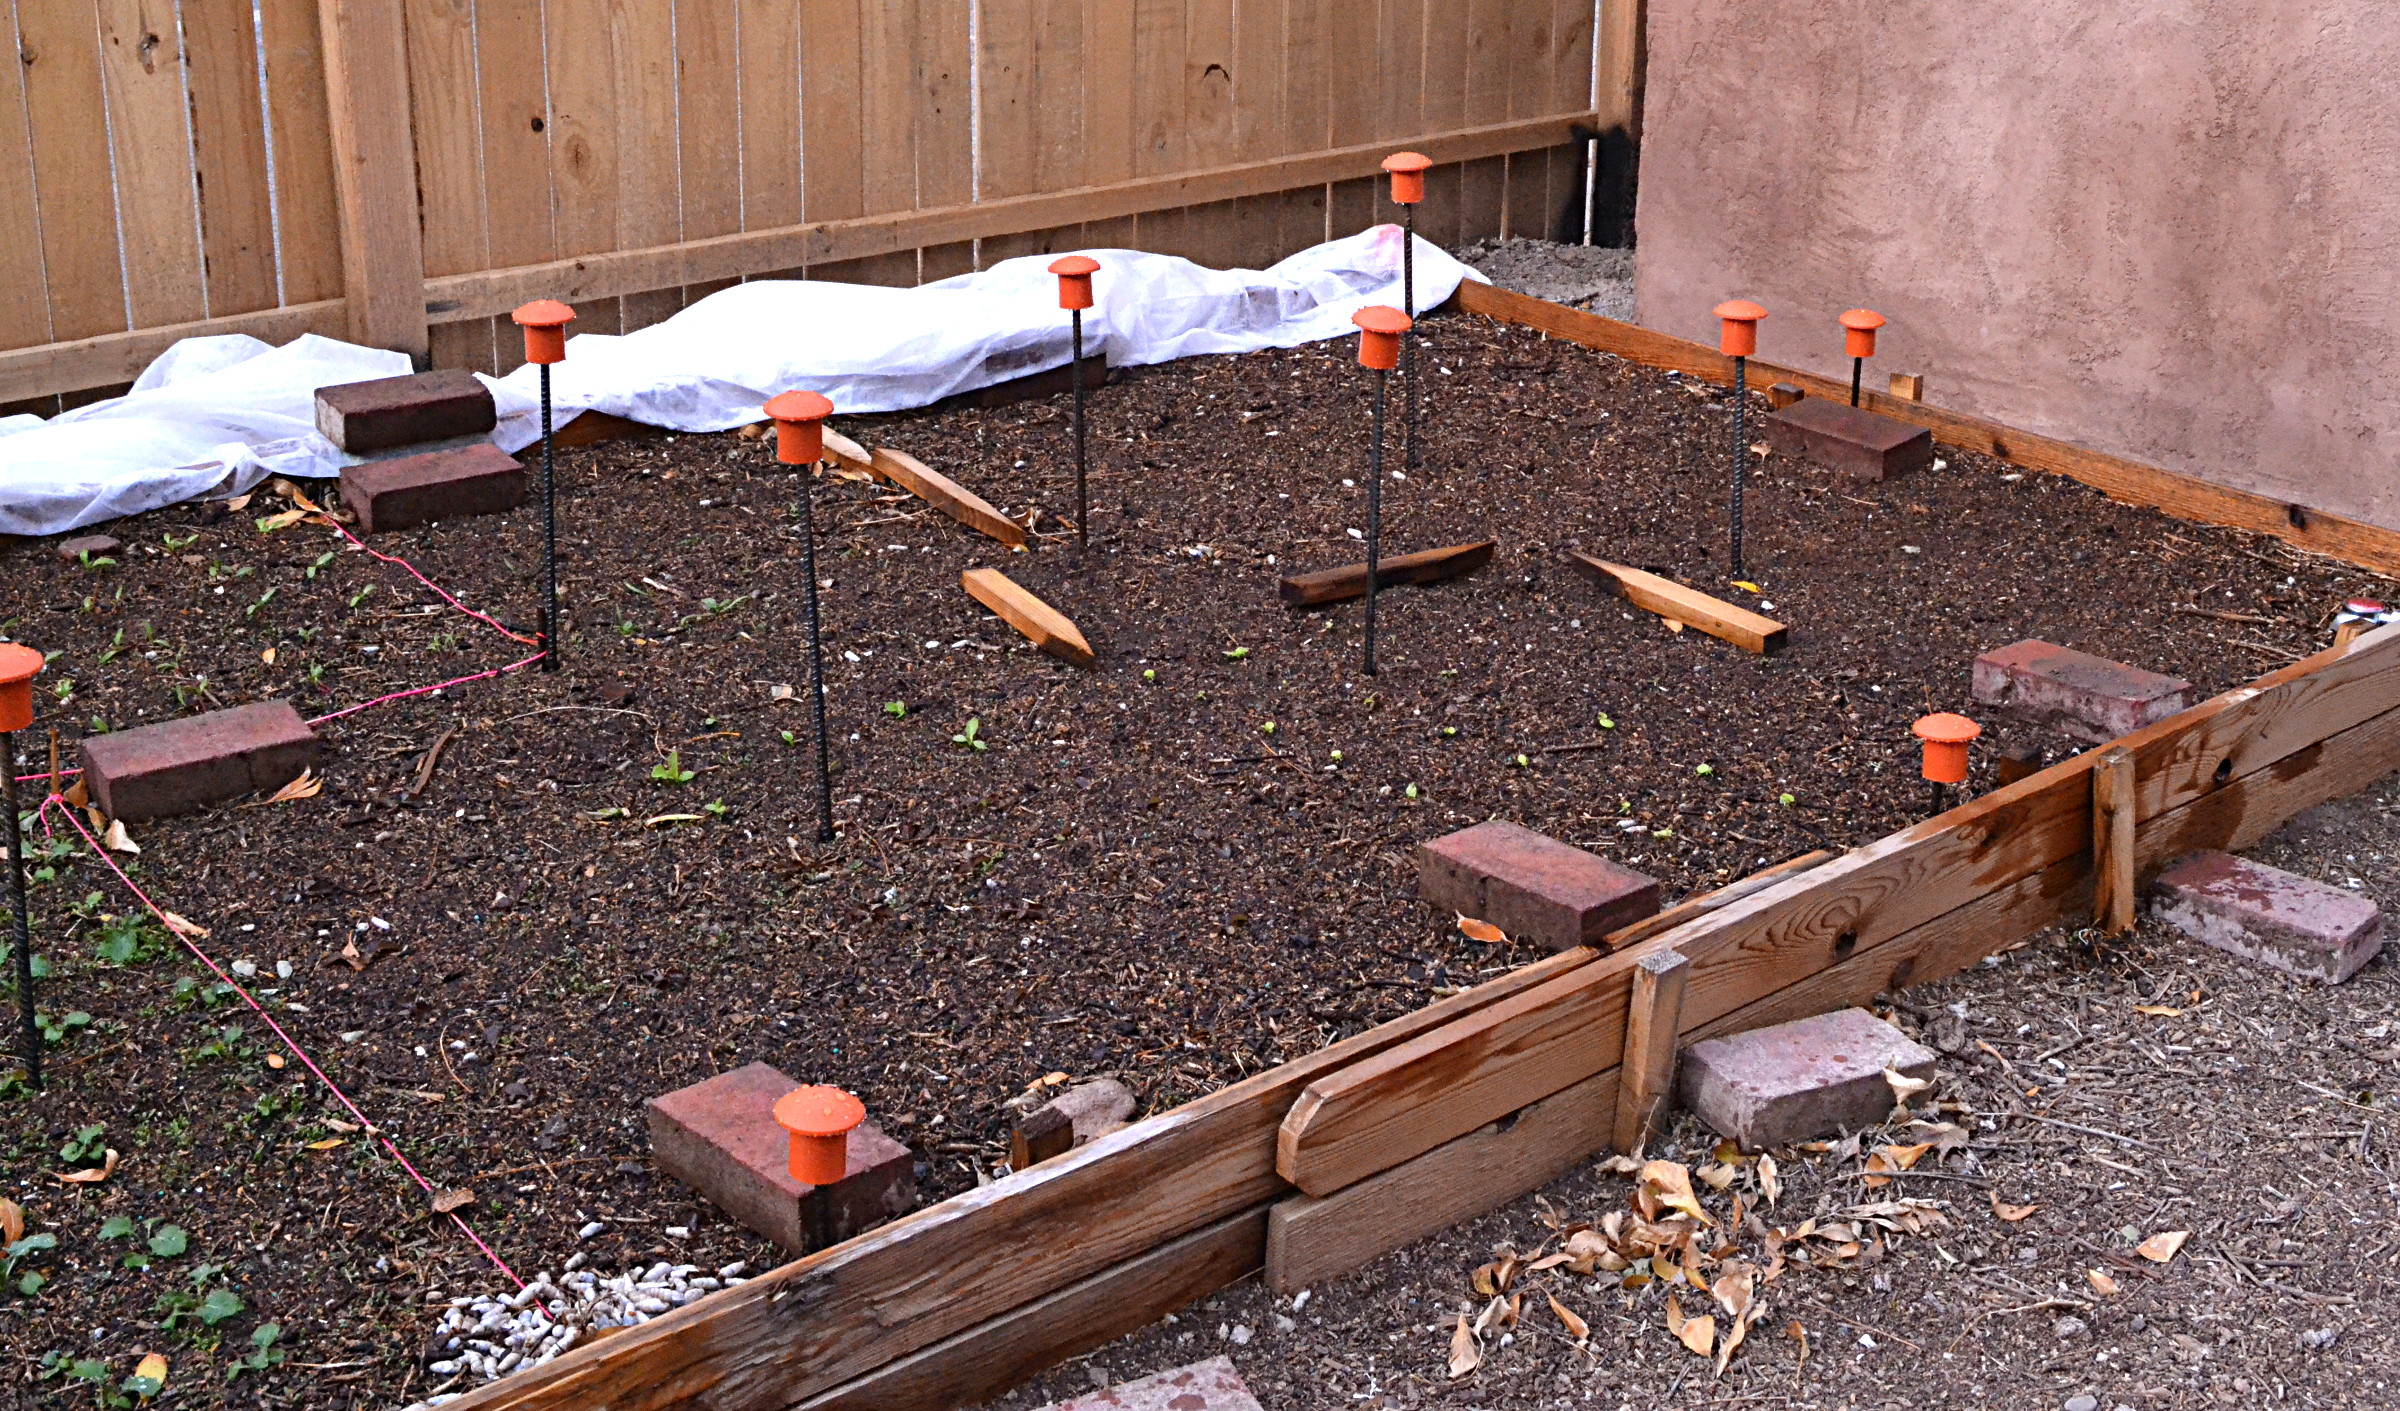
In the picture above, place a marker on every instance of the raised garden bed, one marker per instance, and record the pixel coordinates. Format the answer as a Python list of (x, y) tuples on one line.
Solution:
[(1134, 875)]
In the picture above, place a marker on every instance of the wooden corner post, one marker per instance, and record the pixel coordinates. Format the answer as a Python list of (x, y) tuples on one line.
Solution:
[(1652, 1018), (375, 173), (2112, 841)]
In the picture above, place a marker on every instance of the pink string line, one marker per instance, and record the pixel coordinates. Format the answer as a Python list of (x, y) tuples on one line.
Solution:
[(484, 618), (30, 778), (421, 690), (288, 1042)]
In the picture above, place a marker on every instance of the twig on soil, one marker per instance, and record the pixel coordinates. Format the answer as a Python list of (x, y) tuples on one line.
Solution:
[(433, 757), (2077, 1127)]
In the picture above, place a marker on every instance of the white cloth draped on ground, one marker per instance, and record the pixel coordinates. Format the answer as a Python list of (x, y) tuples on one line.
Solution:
[(227, 411)]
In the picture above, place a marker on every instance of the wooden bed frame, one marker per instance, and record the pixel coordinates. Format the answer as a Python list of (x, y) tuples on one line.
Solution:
[(1312, 1169)]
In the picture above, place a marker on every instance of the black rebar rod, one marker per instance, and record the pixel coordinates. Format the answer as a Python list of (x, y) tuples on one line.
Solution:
[(1741, 454), (1858, 371), (1083, 510), (16, 896), (1408, 343), (1374, 513), (1941, 798), (816, 652), (549, 533)]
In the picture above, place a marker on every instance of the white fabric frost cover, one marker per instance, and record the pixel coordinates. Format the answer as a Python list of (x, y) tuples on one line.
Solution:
[(227, 410), (230, 410)]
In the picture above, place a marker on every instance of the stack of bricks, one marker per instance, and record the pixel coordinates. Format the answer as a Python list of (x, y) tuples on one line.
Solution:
[(425, 450)]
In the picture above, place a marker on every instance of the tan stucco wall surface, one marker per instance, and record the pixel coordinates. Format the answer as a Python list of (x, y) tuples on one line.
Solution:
[(2168, 229)]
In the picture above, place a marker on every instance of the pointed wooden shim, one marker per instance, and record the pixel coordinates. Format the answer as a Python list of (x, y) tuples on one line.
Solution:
[(848, 454), (1043, 625), (2113, 798), (1689, 606), (946, 495), (1652, 1018), (1311, 1239), (1335, 585)]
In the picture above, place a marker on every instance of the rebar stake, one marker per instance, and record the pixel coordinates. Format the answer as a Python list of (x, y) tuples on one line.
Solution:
[(1408, 191), (1380, 329), (1858, 340), (1737, 337), (18, 666), (1075, 295), (545, 322), (800, 441)]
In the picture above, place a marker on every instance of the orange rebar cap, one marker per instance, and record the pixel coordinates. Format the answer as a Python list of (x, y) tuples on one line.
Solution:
[(1379, 330), (545, 323), (1074, 280), (799, 426), (1737, 335), (1946, 738), (1858, 338), (18, 666), (1408, 176), (820, 1120)]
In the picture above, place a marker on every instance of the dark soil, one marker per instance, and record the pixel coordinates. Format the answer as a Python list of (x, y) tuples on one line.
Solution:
[(1185, 866)]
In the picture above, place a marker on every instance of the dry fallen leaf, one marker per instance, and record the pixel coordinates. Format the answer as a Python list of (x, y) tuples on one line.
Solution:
[(326, 1145), (2160, 1248), (2010, 1213), (1903, 1086), (781, 693), (1465, 1354), (446, 1201), (116, 839), (1481, 1281), (77, 795), (1698, 1334), (267, 656), (1619, 1164), (281, 520), (12, 1221), (1484, 931), (182, 927), (2158, 1011), (1717, 1175), (1668, 1184), (307, 786), (108, 1168), (1798, 1334), (2101, 1283), (1770, 1182), (1576, 1327), (152, 1368)]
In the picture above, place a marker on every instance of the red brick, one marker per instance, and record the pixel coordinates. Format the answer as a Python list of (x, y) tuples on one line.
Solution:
[(1531, 886), (1204, 1386), (2296, 925), (414, 490), (184, 765), (1809, 1078), (2090, 698), (361, 417), (1845, 438), (720, 1138)]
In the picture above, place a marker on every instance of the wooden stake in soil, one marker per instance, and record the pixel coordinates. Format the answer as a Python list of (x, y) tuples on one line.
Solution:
[(800, 440), (1651, 1020), (1738, 336), (18, 666), (2113, 822), (1075, 295), (545, 323), (1380, 328)]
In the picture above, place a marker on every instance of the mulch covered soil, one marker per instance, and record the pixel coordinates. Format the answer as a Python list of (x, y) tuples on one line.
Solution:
[(1179, 868)]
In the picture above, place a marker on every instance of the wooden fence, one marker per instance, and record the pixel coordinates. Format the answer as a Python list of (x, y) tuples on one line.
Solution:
[(400, 171)]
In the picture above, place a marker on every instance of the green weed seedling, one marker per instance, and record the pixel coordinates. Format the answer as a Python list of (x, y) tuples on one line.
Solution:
[(897, 710), (970, 738), (177, 546), (322, 560), (93, 563), (57, 1029), (87, 1147), (114, 649), (179, 1309), (93, 1372), (263, 1352), (129, 939), (29, 1282), (672, 772)]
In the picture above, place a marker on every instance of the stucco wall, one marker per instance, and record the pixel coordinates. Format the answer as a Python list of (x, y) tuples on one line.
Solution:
[(2168, 229)]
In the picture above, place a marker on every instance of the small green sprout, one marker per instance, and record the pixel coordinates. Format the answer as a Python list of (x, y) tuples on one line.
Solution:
[(1786, 800), (1268, 728), (1606, 723), (714, 809), (897, 710), (1237, 654), (788, 737), (1149, 674), (1448, 731), (1411, 791), (1522, 762), (672, 772), (1705, 770), (1337, 756), (970, 737)]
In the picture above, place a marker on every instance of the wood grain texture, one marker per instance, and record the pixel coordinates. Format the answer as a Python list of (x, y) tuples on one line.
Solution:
[(443, 79), (837, 1315), (308, 228), (946, 495), (229, 156), (1689, 606), (1043, 625), (120, 357), (1414, 1096), (1312, 1239), (2126, 481), (1707, 902), (1653, 1020), (24, 301), (59, 50), (2113, 827), (375, 174), (149, 131), (985, 1360), (1335, 585)]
